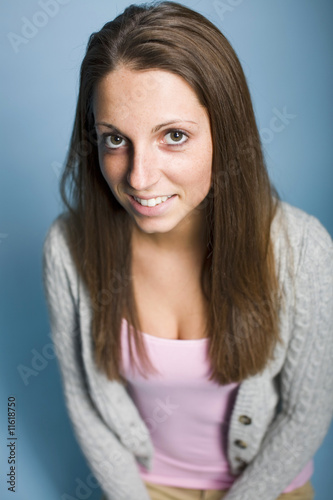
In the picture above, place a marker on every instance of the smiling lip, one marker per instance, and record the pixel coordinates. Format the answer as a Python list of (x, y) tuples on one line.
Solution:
[(159, 209), (150, 197)]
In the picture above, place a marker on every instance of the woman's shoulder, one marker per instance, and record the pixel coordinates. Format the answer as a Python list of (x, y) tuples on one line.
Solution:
[(59, 268), (56, 242), (303, 234)]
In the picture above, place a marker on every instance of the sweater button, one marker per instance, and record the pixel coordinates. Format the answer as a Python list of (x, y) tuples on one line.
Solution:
[(244, 419), (242, 463), (240, 443)]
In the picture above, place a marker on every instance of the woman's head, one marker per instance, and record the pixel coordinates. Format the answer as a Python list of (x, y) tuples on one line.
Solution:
[(157, 158), (170, 37)]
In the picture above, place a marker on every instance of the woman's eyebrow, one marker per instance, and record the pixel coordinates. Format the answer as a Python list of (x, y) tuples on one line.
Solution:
[(171, 122), (108, 125), (154, 129)]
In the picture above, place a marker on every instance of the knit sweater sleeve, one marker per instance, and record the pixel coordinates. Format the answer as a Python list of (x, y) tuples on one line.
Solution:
[(112, 464), (306, 377)]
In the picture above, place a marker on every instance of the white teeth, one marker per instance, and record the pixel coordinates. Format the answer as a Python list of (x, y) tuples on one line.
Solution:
[(152, 202)]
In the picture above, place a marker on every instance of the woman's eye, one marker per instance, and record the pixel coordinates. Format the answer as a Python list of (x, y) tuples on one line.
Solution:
[(114, 141), (176, 137)]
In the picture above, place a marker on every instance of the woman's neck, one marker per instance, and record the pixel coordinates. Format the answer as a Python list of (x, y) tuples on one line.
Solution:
[(188, 237)]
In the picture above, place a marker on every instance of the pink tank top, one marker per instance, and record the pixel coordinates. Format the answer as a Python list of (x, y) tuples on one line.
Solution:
[(186, 414)]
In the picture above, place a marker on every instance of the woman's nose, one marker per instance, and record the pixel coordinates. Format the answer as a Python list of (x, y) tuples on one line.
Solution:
[(143, 169)]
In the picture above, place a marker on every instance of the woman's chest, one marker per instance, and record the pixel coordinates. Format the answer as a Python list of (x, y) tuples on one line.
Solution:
[(170, 302)]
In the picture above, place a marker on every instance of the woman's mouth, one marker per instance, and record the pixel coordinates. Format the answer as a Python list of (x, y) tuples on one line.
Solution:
[(151, 207), (152, 202)]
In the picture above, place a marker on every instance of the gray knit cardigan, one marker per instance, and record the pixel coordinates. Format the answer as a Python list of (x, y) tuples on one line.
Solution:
[(289, 404)]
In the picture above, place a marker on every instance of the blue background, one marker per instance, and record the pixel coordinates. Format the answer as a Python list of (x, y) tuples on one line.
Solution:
[(286, 50)]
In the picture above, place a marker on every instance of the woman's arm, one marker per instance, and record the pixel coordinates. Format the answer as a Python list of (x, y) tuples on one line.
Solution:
[(113, 465), (306, 378)]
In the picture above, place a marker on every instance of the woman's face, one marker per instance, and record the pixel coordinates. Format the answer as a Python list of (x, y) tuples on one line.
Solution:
[(155, 147)]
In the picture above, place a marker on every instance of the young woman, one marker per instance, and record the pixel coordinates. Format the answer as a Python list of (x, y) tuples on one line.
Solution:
[(191, 310)]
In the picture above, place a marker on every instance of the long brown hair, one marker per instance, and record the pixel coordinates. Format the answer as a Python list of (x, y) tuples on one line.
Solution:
[(238, 272)]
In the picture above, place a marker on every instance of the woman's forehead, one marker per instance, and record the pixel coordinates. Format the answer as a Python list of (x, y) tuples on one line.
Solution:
[(151, 94)]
